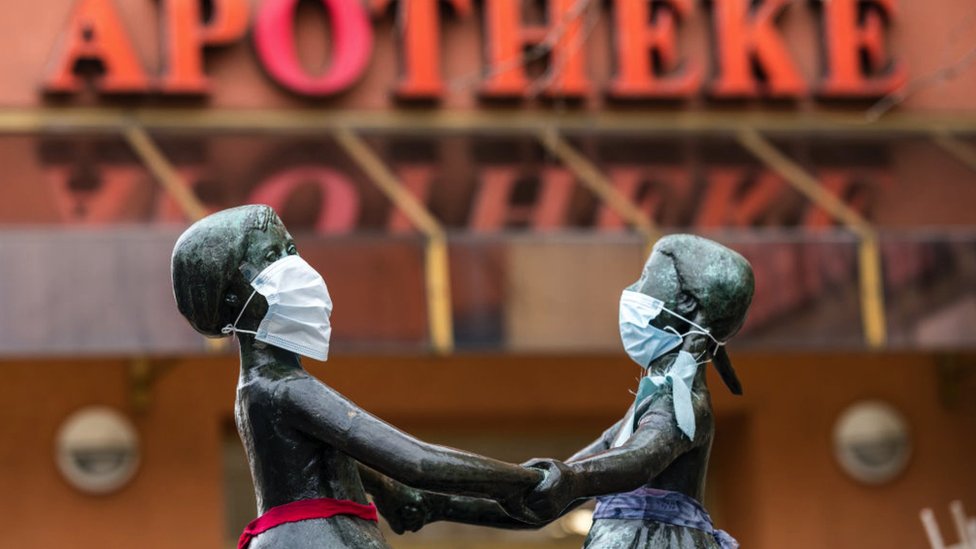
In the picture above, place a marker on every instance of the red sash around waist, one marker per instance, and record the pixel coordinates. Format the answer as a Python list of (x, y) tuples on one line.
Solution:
[(305, 509)]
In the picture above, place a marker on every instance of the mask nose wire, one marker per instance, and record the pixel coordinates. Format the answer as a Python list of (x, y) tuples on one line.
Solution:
[(233, 327)]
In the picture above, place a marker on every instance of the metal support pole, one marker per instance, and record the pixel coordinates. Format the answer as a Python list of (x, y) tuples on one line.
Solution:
[(436, 266), (956, 148), (600, 185), (869, 254), (164, 172), (175, 186)]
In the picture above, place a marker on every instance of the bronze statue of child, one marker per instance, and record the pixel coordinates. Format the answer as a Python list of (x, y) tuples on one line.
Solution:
[(313, 454), (648, 470)]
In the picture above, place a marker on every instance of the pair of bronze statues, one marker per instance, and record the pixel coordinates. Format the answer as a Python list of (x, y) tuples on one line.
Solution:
[(314, 455)]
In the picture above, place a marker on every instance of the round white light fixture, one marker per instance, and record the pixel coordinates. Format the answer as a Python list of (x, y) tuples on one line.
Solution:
[(872, 442), (97, 450)]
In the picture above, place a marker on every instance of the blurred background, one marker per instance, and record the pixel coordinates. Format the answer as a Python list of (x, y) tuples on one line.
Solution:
[(477, 181)]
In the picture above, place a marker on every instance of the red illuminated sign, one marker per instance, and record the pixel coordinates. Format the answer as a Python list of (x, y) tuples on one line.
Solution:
[(750, 57), (352, 44)]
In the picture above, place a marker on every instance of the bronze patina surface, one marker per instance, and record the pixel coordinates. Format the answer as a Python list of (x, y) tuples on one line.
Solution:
[(303, 439), (706, 283)]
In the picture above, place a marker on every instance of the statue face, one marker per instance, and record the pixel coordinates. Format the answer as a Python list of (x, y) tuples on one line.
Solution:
[(263, 249), (659, 279), (266, 247)]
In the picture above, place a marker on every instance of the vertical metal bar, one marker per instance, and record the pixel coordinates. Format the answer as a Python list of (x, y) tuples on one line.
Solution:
[(438, 285), (436, 266), (870, 278), (872, 290)]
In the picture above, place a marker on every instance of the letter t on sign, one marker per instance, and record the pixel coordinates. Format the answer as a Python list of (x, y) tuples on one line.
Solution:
[(420, 72)]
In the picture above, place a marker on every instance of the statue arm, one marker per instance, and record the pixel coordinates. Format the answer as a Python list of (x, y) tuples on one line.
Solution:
[(323, 413), (394, 499), (485, 512), (403, 507), (407, 508), (650, 450), (469, 510), (380, 486)]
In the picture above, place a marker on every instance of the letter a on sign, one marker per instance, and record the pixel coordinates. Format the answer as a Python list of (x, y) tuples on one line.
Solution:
[(95, 33)]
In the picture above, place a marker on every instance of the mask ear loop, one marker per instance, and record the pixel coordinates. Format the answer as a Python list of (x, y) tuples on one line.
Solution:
[(230, 328), (700, 330)]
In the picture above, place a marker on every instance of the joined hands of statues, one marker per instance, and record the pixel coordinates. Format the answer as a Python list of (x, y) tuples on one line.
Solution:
[(408, 510), (553, 494)]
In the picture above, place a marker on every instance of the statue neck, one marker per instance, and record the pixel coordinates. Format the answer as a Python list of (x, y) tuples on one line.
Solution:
[(660, 366), (258, 357)]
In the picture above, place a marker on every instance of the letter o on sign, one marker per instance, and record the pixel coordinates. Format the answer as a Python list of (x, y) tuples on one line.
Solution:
[(97, 450), (274, 40)]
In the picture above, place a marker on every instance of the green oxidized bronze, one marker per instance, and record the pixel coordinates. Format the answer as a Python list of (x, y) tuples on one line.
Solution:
[(306, 441), (701, 281), (303, 439)]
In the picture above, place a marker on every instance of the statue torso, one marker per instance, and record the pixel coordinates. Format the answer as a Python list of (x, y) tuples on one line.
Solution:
[(288, 465)]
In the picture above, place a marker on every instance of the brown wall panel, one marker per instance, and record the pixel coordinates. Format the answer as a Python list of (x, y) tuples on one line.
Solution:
[(778, 484)]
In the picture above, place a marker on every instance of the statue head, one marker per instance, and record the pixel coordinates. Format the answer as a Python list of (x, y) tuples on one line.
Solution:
[(702, 281), (208, 283)]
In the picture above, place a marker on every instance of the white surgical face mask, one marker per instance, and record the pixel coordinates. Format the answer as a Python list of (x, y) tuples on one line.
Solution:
[(298, 308)]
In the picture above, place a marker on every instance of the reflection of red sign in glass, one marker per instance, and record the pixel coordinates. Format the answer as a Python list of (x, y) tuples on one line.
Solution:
[(91, 186), (751, 58)]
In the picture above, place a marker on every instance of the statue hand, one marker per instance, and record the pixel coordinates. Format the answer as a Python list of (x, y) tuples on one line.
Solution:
[(556, 491), (516, 508), (515, 504), (405, 509)]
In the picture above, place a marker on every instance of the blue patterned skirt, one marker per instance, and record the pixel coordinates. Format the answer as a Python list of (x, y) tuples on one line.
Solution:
[(650, 518)]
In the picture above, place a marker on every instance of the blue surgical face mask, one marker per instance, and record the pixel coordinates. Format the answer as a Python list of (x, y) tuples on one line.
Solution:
[(643, 341)]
